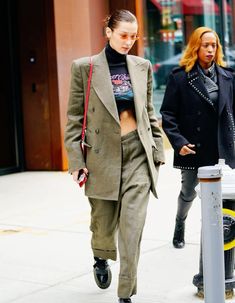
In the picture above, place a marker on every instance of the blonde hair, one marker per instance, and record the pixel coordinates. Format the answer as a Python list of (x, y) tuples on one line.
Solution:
[(190, 54)]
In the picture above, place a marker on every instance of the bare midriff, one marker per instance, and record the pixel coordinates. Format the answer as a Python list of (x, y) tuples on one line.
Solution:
[(127, 121)]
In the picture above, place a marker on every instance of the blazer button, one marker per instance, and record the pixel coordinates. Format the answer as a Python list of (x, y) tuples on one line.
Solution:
[(198, 128), (148, 128), (93, 109), (198, 144), (97, 131), (97, 150), (199, 113)]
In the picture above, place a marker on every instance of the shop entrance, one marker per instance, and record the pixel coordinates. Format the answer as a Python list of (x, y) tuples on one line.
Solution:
[(11, 151), (29, 110)]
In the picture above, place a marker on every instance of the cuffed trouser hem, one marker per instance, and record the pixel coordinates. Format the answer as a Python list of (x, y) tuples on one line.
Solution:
[(127, 287), (105, 254)]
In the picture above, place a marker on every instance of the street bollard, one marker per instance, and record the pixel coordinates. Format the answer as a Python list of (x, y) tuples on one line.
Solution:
[(212, 234), (228, 204)]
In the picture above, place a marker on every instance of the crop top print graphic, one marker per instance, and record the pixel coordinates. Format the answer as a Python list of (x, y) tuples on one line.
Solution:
[(122, 88)]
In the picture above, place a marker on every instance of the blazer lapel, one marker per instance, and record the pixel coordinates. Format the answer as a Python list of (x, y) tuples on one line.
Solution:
[(102, 84), (224, 81), (196, 84), (137, 73)]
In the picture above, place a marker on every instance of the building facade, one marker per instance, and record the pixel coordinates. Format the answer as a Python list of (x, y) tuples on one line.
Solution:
[(42, 37)]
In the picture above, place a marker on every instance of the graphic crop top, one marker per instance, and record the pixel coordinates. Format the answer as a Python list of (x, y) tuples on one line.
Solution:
[(120, 79)]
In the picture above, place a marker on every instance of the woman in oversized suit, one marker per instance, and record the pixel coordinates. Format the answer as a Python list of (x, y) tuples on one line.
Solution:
[(198, 116), (124, 149)]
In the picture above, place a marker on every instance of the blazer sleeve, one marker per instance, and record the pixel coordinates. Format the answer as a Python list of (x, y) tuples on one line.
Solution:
[(75, 112), (156, 131), (170, 114)]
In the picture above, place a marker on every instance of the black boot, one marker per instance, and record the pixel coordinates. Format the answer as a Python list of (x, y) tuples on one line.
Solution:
[(178, 239), (102, 273), (121, 300)]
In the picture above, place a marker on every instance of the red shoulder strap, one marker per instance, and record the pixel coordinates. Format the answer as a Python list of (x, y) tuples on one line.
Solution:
[(86, 101)]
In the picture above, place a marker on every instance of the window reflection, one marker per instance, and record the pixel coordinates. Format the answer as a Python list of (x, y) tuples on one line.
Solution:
[(229, 34)]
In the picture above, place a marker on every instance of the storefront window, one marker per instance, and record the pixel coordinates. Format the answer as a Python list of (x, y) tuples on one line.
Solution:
[(168, 25), (229, 33)]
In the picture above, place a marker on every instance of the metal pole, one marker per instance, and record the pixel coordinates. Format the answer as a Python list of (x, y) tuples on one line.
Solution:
[(212, 234)]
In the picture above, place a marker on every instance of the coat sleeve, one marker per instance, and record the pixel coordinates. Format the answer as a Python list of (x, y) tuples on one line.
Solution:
[(156, 131), (234, 95), (170, 114), (75, 119)]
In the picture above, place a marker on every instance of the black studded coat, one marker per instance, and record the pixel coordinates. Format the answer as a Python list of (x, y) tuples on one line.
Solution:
[(188, 116)]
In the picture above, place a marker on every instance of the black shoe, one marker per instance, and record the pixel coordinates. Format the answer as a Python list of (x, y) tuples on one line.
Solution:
[(121, 300), (178, 239), (102, 273), (198, 280)]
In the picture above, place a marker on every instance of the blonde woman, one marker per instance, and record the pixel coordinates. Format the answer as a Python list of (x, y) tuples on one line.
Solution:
[(198, 116)]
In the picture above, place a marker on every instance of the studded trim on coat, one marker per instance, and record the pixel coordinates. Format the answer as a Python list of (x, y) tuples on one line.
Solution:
[(197, 90), (230, 115), (183, 167)]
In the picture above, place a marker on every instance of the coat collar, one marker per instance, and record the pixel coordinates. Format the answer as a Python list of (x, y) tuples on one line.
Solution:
[(102, 84), (224, 81), (197, 85)]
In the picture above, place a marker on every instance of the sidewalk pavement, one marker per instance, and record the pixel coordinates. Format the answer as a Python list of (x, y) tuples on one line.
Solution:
[(45, 254)]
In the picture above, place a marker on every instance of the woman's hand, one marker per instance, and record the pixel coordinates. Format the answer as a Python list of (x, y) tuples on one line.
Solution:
[(75, 174), (187, 149)]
